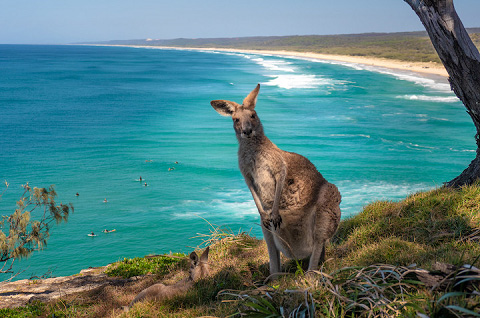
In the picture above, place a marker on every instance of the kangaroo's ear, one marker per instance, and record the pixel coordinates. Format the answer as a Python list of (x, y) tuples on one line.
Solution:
[(250, 101), (224, 107), (204, 257), (194, 258)]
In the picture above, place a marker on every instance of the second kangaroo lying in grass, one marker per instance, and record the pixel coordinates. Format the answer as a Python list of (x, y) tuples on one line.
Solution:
[(298, 208), (198, 269)]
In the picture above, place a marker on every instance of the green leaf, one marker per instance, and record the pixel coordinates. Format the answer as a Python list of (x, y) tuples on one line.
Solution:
[(254, 314), (412, 282), (269, 305), (471, 278), (448, 295), (464, 310), (258, 307)]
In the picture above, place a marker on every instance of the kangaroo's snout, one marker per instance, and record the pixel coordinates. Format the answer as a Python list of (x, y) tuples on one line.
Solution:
[(246, 124), (247, 132)]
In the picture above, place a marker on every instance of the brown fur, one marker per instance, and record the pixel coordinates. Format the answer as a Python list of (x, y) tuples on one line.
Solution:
[(198, 269), (299, 209)]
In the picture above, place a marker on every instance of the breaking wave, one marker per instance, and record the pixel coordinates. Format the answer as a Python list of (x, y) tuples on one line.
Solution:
[(289, 81), (440, 99)]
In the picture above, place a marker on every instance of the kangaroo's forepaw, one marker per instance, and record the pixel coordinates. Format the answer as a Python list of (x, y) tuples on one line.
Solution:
[(276, 221), (266, 223)]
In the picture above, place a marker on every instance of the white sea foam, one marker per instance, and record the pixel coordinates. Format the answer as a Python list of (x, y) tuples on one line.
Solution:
[(461, 150), (408, 145), (188, 215), (232, 209), (236, 209), (362, 107), (393, 114), (440, 99), (274, 64), (232, 203), (356, 195), (424, 117), (282, 65), (289, 81), (342, 118), (419, 80), (420, 117), (437, 85), (350, 135), (355, 66)]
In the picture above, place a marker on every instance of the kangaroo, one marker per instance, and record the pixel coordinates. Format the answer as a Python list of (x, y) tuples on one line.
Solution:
[(198, 269), (299, 209)]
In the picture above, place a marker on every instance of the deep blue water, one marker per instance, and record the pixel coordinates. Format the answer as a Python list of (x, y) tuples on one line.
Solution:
[(93, 120)]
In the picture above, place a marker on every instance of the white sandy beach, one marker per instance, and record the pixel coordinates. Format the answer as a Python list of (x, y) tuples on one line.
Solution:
[(427, 68)]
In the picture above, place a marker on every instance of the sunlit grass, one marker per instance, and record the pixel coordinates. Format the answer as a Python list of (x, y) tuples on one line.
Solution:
[(161, 264)]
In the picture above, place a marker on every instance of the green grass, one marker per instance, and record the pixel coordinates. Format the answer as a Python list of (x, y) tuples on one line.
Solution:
[(143, 265), (371, 270), (422, 229), (30, 311)]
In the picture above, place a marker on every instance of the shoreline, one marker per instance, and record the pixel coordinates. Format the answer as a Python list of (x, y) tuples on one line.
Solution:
[(425, 68)]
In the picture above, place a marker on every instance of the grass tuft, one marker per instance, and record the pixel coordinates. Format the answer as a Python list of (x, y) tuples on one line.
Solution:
[(424, 228), (161, 265)]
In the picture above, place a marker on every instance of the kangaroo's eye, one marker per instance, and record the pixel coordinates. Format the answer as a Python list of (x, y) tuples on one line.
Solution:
[(236, 120), (253, 116)]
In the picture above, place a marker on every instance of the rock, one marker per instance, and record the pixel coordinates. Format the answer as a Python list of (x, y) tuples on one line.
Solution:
[(22, 292)]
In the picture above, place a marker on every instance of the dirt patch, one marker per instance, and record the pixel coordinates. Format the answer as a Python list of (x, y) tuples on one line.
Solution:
[(20, 293)]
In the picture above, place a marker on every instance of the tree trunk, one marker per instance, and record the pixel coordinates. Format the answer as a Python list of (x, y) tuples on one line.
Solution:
[(462, 62)]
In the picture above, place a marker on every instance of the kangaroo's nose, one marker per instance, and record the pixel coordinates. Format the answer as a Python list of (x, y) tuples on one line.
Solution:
[(247, 132)]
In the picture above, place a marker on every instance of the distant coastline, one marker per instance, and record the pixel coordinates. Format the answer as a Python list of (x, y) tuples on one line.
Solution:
[(427, 68)]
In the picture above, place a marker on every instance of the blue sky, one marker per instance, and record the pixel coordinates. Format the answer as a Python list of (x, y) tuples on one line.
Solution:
[(67, 21)]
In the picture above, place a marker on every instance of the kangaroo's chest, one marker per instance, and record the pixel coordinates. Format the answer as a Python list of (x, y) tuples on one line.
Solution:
[(261, 171)]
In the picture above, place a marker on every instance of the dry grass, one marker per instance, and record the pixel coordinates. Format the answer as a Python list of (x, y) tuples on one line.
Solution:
[(381, 264)]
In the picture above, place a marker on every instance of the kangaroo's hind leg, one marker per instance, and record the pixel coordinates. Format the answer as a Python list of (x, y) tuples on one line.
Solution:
[(327, 217), (318, 255), (273, 252)]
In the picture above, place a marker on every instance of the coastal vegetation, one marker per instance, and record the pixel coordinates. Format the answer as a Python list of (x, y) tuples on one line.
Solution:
[(418, 257), (404, 46), (161, 265), (20, 233)]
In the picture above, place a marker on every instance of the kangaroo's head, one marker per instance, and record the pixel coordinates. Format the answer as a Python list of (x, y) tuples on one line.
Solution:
[(199, 266), (245, 120)]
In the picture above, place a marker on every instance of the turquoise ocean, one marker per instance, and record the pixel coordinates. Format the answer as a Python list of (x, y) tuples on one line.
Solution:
[(93, 120)]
